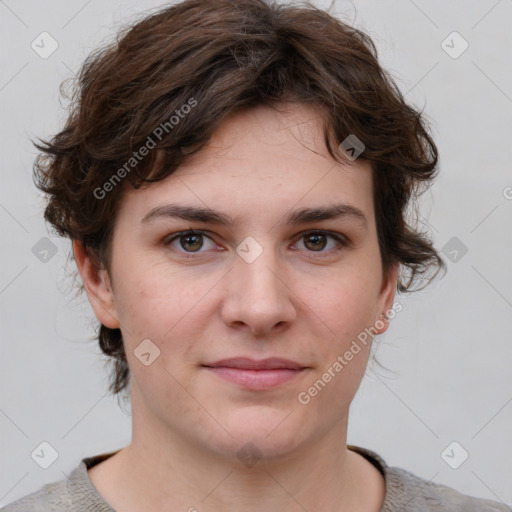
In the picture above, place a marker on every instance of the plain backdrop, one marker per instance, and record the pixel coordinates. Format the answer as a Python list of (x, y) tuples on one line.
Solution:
[(448, 352)]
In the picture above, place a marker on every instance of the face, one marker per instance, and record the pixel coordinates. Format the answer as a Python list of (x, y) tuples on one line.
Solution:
[(276, 281)]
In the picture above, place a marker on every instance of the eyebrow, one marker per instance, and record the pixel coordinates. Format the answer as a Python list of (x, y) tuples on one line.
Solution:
[(300, 216)]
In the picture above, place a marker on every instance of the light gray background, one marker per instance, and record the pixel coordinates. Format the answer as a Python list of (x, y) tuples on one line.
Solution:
[(449, 350)]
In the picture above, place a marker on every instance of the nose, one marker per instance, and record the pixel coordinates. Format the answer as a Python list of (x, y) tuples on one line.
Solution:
[(257, 297)]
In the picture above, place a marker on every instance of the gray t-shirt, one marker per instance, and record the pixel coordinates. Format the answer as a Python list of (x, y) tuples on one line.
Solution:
[(405, 492)]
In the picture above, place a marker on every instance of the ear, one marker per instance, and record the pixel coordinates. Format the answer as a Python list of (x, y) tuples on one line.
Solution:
[(386, 298), (98, 287)]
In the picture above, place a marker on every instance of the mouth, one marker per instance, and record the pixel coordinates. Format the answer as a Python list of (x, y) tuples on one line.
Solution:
[(256, 374)]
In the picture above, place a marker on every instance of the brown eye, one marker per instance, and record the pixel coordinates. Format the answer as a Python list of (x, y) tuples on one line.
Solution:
[(315, 241), (189, 242), (318, 241), (194, 242)]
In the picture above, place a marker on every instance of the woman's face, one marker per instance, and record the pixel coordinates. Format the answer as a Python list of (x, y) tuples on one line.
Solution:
[(262, 287)]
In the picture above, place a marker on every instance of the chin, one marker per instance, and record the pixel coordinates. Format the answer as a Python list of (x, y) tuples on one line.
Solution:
[(261, 433)]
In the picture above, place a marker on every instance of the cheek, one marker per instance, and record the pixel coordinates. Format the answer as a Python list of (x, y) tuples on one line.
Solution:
[(345, 307), (346, 302), (166, 309), (155, 298)]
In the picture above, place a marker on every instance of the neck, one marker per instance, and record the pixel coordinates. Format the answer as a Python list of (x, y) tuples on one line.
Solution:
[(163, 470)]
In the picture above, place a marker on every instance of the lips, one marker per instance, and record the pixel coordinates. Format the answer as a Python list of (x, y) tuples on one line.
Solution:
[(245, 363), (256, 374)]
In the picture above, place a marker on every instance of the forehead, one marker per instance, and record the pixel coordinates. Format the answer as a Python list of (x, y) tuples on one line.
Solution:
[(286, 131), (263, 161)]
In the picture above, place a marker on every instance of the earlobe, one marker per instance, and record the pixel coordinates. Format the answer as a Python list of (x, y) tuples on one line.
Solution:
[(98, 287)]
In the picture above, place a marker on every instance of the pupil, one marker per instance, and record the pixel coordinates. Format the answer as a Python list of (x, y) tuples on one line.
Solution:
[(316, 239), (196, 237)]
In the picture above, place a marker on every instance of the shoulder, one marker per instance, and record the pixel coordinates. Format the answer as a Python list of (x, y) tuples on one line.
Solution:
[(53, 496), (406, 491), (416, 494), (75, 493)]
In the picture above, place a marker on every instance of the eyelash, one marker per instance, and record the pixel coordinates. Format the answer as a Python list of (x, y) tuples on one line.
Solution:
[(339, 239)]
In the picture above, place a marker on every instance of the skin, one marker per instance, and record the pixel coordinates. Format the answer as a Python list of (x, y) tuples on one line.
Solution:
[(296, 300)]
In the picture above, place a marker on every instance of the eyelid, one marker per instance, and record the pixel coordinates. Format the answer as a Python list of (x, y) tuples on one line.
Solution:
[(339, 236)]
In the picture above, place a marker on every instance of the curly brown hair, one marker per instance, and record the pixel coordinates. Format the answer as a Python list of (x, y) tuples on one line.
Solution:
[(220, 57)]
